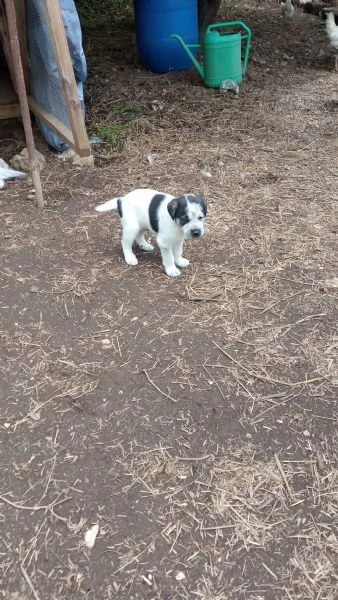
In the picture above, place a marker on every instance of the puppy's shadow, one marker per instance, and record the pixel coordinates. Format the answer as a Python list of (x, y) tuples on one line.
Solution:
[(146, 256)]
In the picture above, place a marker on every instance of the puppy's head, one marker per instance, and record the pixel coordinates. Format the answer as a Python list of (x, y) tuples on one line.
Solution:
[(189, 212)]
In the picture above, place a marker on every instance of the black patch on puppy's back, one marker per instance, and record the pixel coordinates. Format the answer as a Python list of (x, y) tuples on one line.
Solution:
[(119, 207), (153, 210)]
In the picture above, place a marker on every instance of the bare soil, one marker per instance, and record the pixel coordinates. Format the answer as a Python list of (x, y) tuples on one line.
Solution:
[(194, 420)]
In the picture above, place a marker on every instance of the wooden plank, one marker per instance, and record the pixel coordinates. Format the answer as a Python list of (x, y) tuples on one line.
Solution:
[(67, 78), (54, 123), (10, 111)]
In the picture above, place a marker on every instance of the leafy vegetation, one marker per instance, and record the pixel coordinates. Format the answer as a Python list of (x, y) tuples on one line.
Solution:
[(95, 12), (121, 123)]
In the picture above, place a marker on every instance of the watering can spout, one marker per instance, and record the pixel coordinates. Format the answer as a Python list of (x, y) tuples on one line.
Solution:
[(186, 48)]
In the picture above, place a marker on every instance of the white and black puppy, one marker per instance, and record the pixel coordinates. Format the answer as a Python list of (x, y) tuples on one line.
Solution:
[(172, 219)]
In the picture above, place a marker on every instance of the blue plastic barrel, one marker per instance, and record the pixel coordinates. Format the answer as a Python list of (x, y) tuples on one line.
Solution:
[(155, 21)]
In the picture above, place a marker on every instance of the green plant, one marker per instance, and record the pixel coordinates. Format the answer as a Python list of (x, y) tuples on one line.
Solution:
[(113, 133), (121, 124), (92, 13), (132, 108)]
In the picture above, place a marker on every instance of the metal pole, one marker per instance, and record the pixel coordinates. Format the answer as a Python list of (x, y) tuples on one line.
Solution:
[(21, 91)]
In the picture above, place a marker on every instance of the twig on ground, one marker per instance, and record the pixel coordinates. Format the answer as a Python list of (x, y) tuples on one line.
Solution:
[(158, 389), (280, 468), (215, 382), (36, 507), (29, 581), (265, 377)]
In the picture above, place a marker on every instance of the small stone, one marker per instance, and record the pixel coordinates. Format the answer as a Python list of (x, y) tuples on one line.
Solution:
[(180, 576), (34, 289), (306, 433), (332, 283), (151, 158), (206, 172), (83, 161), (66, 155), (21, 161), (90, 536), (80, 161), (157, 105), (248, 436)]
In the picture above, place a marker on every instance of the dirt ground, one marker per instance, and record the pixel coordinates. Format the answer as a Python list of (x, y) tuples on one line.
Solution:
[(194, 420)]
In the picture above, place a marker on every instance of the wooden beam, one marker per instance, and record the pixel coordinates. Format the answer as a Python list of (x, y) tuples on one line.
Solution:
[(10, 111), (54, 123), (67, 78)]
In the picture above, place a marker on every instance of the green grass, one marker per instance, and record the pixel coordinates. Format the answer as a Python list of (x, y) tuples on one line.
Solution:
[(93, 13), (113, 133), (121, 124), (132, 109)]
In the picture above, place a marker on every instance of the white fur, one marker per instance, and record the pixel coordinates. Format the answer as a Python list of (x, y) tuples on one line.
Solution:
[(171, 234)]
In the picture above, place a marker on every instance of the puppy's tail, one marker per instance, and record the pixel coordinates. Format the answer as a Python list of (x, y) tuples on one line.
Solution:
[(107, 206)]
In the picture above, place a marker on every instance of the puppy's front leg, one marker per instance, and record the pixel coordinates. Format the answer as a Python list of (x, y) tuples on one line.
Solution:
[(179, 260), (168, 260)]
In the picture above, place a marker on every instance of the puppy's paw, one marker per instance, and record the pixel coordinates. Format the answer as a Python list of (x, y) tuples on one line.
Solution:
[(146, 247), (182, 262), (131, 260), (172, 271)]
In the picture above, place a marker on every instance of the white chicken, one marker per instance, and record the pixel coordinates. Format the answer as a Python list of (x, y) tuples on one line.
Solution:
[(331, 24), (287, 9), (7, 173)]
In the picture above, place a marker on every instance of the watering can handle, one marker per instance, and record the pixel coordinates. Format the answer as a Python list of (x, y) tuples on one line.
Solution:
[(247, 36), (229, 24)]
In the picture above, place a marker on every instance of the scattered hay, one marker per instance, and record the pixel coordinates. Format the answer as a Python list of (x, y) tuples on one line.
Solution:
[(244, 342)]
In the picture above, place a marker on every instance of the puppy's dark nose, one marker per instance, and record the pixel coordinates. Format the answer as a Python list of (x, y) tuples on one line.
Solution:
[(195, 233)]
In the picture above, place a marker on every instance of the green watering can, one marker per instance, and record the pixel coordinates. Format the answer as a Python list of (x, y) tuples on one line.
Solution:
[(222, 54)]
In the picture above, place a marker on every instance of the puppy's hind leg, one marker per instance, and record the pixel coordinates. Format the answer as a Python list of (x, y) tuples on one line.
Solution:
[(143, 244), (129, 235)]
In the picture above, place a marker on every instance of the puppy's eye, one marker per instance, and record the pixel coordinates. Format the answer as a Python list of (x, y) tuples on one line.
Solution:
[(200, 218)]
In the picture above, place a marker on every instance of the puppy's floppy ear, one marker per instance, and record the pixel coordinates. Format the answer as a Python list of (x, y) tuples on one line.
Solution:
[(172, 208)]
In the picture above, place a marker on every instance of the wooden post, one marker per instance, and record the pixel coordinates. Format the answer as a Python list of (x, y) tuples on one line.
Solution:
[(20, 13), (21, 91), (67, 78)]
